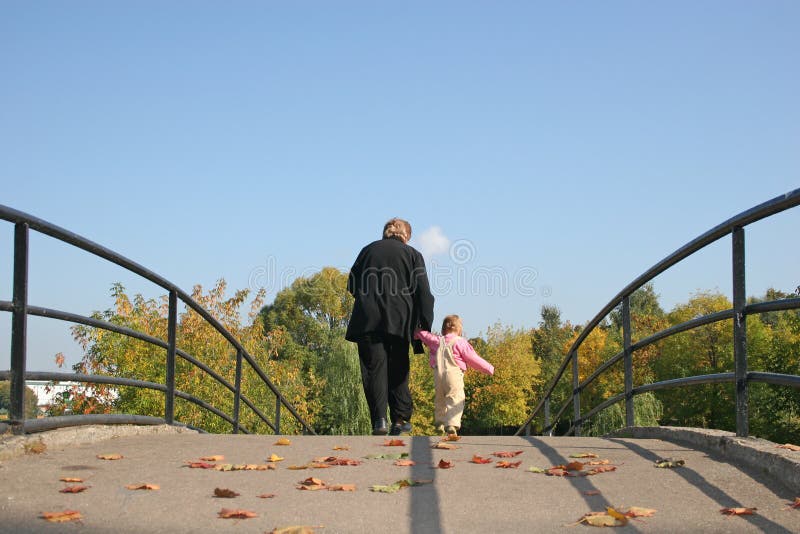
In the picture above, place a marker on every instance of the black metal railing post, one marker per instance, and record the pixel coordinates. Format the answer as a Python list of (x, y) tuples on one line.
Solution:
[(277, 414), (237, 394), (628, 360), (547, 416), (740, 333), (576, 394), (172, 331), (19, 328)]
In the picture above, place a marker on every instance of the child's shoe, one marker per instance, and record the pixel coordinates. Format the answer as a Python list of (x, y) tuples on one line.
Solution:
[(451, 431), (440, 428)]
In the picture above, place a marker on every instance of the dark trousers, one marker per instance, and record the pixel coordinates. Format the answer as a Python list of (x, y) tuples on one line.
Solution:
[(384, 375)]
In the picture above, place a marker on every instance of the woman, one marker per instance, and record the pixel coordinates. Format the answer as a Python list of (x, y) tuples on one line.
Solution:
[(392, 300)]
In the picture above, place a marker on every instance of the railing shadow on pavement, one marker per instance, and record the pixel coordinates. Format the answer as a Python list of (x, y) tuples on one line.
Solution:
[(741, 376), (20, 309), (713, 492)]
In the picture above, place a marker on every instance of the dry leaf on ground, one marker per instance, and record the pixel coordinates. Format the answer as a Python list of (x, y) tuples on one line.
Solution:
[(274, 458), (341, 448), (573, 466), (444, 445), (301, 529), (795, 504), (508, 465), (600, 469), (558, 472), (507, 454), (266, 496), (670, 462), (225, 493), (228, 513), (405, 463), (584, 455), (476, 459), (311, 484), (444, 464), (283, 442), (604, 519), (591, 492), (635, 511), (394, 443), (534, 469), (61, 517), (199, 465), (73, 489), (789, 446), (143, 487), (344, 461), (109, 456), (213, 458), (738, 511), (70, 479), (342, 487), (451, 437)]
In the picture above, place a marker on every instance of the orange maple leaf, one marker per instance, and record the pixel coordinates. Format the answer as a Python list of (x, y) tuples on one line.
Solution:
[(342, 487), (445, 464), (635, 511), (227, 513), (508, 465), (61, 517), (200, 465), (507, 454), (73, 489), (213, 458), (738, 511), (70, 479), (394, 443), (574, 466), (480, 460), (558, 472), (444, 445), (143, 487)]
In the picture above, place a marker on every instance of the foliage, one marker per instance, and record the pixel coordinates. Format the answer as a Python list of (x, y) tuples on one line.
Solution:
[(30, 400)]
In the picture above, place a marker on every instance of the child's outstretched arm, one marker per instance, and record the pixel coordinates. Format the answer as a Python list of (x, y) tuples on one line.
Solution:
[(474, 361), (430, 340)]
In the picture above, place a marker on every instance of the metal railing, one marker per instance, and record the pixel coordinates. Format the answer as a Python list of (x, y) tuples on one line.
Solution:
[(20, 310), (741, 376)]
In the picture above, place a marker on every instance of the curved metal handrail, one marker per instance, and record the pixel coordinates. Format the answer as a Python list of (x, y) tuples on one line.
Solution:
[(733, 226), (20, 308)]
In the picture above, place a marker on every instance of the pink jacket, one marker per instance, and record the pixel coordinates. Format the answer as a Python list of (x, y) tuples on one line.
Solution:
[(463, 352)]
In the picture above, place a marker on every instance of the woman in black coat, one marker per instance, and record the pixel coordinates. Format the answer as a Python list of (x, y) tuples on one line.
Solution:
[(392, 299)]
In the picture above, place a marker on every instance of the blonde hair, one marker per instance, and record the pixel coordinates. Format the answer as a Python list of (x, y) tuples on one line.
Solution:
[(398, 228), (452, 324)]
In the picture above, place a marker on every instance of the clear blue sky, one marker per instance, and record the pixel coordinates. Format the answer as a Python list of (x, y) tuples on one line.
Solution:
[(577, 141)]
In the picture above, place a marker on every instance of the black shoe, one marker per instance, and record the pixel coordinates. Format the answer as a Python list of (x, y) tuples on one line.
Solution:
[(400, 427), (379, 427)]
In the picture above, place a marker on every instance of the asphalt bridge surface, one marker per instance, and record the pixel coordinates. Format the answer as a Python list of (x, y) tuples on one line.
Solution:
[(468, 497)]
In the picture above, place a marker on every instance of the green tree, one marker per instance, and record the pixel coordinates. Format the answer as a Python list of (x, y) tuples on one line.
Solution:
[(30, 400)]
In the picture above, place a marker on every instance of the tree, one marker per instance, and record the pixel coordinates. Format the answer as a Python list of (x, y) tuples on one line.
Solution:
[(30, 400)]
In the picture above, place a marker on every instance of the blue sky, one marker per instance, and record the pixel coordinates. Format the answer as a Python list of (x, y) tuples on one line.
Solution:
[(567, 146)]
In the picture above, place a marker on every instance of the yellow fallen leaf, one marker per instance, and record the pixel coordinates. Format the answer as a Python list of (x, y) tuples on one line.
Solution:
[(283, 441), (295, 530), (70, 479), (214, 458), (601, 519), (61, 517), (109, 456), (274, 458), (616, 515), (342, 448)]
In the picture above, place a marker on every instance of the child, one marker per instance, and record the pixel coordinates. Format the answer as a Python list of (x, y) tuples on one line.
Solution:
[(450, 355)]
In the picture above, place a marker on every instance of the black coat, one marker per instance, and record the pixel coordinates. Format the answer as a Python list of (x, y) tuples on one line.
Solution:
[(391, 290)]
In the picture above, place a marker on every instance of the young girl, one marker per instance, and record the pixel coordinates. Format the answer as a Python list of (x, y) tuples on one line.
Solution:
[(450, 355)]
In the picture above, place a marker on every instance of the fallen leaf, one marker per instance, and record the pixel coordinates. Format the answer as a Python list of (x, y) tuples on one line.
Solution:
[(789, 446), (394, 443), (283, 442), (600, 469), (635, 511), (274, 458), (224, 467), (597, 462), (214, 458), (109, 456), (738, 511), (73, 489), (480, 459), (200, 465), (616, 515), (444, 464), (444, 445), (227, 513), (407, 482), (602, 519), (37, 447), (405, 463), (507, 454), (312, 484), (451, 437), (294, 530), (391, 488), (143, 487), (70, 479), (795, 504), (344, 461), (258, 467), (558, 472), (297, 467), (341, 448), (266, 496), (574, 466), (303, 529), (591, 492), (61, 517), (584, 455), (670, 462), (342, 487), (325, 459), (225, 493), (534, 469), (508, 465), (317, 465)]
